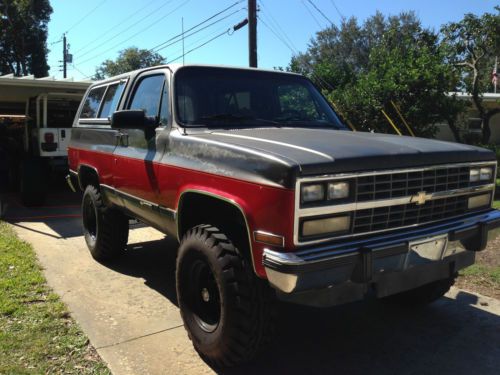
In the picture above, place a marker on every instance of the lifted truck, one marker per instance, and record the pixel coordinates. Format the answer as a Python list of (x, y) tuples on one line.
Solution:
[(271, 196)]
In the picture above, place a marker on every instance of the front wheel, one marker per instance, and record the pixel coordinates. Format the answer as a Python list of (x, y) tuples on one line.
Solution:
[(226, 310), (105, 229)]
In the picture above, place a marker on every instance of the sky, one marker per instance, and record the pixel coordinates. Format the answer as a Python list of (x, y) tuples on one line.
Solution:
[(97, 30)]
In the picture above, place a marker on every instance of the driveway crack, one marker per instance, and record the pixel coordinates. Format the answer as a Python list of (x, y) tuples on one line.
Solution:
[(138, 337)]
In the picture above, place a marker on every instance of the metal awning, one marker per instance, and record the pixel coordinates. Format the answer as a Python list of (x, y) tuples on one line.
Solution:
[(19, 89)]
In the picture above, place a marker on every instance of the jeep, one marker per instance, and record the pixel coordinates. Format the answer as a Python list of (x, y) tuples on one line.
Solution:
[(272, 197)]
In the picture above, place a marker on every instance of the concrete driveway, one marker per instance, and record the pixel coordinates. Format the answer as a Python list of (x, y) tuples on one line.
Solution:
[(129, 311)]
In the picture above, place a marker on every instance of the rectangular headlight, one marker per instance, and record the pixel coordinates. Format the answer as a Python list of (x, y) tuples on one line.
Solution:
[(474, 175), (327, 225), (483, 200), (312, 193), (338, 190), (485, 174)]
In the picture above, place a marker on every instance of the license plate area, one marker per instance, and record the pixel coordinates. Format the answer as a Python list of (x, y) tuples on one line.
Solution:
[(427, 250)]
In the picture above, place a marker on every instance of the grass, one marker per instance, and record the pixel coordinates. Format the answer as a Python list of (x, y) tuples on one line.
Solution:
[(37, 334)]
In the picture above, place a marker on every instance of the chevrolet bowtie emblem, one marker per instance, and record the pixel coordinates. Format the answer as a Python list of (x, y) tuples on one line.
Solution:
[(420, 198)]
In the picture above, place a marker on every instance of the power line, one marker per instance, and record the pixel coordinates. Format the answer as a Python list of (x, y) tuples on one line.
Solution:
[(85, 16), (128, 17), (273, 20), (199, 24), (120, 33), (201, 45), (193, 33), (337, 9), (320, 12), (139, 32), (320, 80), (312, 15)]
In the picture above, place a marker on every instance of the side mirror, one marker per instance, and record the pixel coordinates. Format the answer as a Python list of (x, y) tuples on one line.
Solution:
[(129, 119)]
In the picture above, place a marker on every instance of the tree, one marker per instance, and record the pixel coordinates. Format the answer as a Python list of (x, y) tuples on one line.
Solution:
[(364, 69), (23, 37), (472, 45), (128, 59)]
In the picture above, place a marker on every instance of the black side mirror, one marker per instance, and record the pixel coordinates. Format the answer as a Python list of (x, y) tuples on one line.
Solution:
[(129, 119)]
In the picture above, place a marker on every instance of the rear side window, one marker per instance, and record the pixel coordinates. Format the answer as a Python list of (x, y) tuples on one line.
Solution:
[(147, 95), (111, 99), (91, 105)]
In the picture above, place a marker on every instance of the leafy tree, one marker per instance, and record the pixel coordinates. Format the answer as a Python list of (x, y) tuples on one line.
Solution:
[(128, 59), (365, 68), (471, 46), (23, 37)]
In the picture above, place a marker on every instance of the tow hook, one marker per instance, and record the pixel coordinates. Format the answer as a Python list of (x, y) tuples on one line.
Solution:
[(70, 183)]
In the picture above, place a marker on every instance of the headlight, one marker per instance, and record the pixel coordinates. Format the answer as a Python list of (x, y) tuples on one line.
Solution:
[(312, 193), (474, 175), (338, 190), (327, 225), (485, 174)]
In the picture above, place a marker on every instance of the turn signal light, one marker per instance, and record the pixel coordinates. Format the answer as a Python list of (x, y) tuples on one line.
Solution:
[(48, 137)]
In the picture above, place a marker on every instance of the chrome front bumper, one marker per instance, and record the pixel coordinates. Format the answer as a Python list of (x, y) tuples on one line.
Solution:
[(391, 262)]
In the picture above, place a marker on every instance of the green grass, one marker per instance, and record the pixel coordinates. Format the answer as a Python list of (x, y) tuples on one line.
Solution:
[(37, 334), (489, 275), (496, 204)]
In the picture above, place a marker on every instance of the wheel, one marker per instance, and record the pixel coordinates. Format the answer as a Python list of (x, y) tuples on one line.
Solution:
[(226, 310), (105, 229), (424, 294), (34, 182)]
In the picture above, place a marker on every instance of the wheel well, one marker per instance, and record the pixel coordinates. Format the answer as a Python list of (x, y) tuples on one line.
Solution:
[(87, 176), (198, 208)]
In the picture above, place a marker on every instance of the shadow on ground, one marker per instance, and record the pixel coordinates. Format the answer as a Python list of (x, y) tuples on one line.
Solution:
[(449, 337)]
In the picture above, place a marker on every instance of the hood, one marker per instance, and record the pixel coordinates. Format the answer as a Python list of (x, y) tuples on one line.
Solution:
[(324, 151)]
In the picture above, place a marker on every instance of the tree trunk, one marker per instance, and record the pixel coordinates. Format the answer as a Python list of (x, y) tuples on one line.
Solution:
[(454, 129)]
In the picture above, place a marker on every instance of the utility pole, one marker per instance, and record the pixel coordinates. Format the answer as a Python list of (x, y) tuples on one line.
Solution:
[(65, 54), (252, 33)]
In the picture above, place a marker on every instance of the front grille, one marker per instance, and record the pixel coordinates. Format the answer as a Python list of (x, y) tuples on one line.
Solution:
[(382, 218), (403, 184), (378, 186)]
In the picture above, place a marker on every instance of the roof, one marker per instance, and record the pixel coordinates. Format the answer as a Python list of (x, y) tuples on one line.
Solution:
[(18, 89), (487, 96), (176, 66)]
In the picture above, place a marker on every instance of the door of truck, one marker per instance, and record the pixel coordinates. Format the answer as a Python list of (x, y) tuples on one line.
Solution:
[(135, 167)]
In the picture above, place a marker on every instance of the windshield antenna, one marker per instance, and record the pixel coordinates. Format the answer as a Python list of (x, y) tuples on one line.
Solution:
[(183, 54)]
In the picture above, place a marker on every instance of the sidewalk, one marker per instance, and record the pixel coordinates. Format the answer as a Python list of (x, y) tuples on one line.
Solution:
[(129, 313)]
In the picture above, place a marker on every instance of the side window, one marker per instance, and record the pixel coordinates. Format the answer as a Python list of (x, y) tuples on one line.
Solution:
[(91, 105), (111, 99), (147, 95)]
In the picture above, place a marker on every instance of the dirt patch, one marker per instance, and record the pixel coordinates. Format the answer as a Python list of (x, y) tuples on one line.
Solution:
[(484, 276)]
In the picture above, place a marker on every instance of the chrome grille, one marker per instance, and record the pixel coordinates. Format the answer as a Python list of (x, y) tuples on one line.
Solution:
[(395, 185), (382, 218)]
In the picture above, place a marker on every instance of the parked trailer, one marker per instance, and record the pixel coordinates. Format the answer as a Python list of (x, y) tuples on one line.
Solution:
[(36, 147)]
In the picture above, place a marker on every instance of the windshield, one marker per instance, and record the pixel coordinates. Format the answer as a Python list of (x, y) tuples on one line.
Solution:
[(219, 97)]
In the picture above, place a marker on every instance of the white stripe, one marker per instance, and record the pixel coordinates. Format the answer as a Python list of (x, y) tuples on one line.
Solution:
[(278, 143)]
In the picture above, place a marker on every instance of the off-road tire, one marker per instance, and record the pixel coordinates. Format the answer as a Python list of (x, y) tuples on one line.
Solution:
[(245, 303), (34, 182), (105, 229), (424, 294)]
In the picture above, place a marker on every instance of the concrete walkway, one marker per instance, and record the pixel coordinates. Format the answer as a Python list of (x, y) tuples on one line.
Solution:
[(129, 312)]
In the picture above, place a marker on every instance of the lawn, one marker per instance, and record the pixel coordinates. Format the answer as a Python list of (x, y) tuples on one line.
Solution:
[(484, 276), (37, 334)]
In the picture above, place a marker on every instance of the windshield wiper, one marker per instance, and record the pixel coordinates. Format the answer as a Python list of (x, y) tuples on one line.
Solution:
[(248, 120)]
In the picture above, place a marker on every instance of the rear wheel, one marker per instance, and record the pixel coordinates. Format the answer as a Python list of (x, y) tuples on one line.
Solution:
[(424, 294), (34, 182), (105, 229), (226, 310)]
